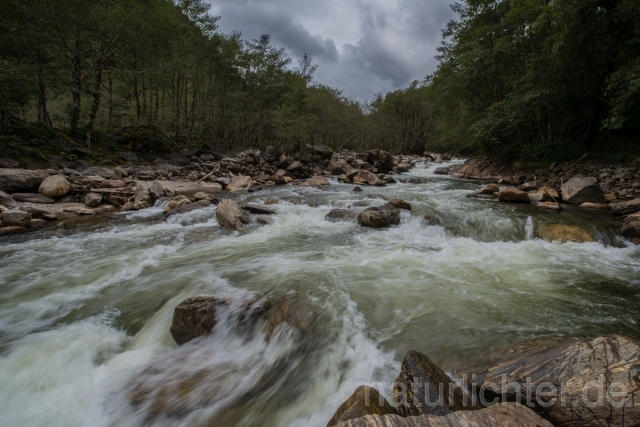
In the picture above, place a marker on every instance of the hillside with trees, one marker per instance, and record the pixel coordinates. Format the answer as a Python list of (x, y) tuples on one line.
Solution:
[(533, 80)]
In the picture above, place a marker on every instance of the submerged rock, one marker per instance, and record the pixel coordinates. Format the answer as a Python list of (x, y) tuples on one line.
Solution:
[(231, 216), (400, 204), (580, 190), (414, 180), (379, 219), (424, 388), (195, 317), (177, 202), (586, 377), (200, 204), (337, 215), (16, 219), (364, 401), (255, 209), (563, 233), (509, 415)]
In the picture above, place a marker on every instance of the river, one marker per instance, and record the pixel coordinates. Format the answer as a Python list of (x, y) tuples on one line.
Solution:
[(85, 314)]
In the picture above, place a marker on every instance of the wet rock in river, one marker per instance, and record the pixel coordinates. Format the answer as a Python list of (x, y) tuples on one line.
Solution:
[(379, 219), (513, 195), (177, 202), (579, 190), (364, 401), (256, 209), (294, 310), (400, 204), (551, 206), (195, 317), (496, 416), (239, 182), (631, 227), (11, 230), (488, 190), (367, 178), (340, 167), (338, 215), (563, 233), (423, 388), (54, 186), (231, 216), (414, 180), (315, 181), (594, 381)]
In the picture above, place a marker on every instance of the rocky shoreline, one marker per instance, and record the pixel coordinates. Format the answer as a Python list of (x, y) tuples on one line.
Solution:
[(32, 198)]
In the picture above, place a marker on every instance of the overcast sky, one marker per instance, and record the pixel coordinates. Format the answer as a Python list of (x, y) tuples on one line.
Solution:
[(361, 46)]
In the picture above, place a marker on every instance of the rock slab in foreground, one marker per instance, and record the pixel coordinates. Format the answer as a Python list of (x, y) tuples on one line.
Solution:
[(424, 388), (508, 415), (231, 216), (580, 370), (364, 401)]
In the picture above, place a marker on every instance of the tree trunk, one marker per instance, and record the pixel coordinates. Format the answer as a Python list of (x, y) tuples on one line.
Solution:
[(97, 90), (76, 88)]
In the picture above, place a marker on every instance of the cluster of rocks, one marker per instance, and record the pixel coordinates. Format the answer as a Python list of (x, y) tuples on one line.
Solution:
[(587, 382), (32, 195), (370, 216), (590, 187)]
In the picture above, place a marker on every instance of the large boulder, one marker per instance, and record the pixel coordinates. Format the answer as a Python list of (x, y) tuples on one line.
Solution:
[(379, 218), (563, 233), (16, 219), (626, 208), (315, 181), (14, 180), (340, 167), (177, 202), (231, 216), (513, 195), (271, 154), (239, 182), (364, 177), (381, 160), (54, 186), (424, 388), (364, 401), (508, 415), (196, 316), (580, 190), (587, 383)]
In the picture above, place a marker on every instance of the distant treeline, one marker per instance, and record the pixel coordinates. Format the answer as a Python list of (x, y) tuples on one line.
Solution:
[(522, 79)]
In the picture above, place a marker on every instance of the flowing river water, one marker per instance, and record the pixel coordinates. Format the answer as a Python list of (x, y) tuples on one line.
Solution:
[(85, 315)]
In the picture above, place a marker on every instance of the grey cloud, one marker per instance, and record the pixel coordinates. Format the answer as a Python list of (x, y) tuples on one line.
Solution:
[(361, 46)]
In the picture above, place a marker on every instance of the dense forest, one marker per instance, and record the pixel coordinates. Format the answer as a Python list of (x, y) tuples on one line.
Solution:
[(532, 80)]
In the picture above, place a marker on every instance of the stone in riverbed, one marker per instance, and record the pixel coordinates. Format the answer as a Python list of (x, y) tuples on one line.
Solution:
[(400, 204), (92, 200), (488, 190), (580, 190), (508, 415), (54, 186), (588, 205), (322, 151), (338, 215), (32, 198), (11, 230), (239, 182), (513, 195), (6, 200), (256, 209), (563, 233), (231, 216), (414, 180), (364, 401), (195, 317), (552, 206), (143, 198), (379, 219), (424, 388), (583, 368), (13, 180), (16, 219), (626, 208), (631, 227), (177, 202), (369, 178), (200, 204), (340, 167), (315, 181)]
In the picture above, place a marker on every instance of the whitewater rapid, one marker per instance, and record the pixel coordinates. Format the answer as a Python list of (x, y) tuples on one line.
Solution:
[(84, 315)]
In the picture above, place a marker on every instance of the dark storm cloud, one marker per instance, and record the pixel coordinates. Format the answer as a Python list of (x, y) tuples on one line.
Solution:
[(361, 46)]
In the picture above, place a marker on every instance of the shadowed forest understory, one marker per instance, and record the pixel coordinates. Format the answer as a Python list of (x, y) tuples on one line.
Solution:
[(534, 81)]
